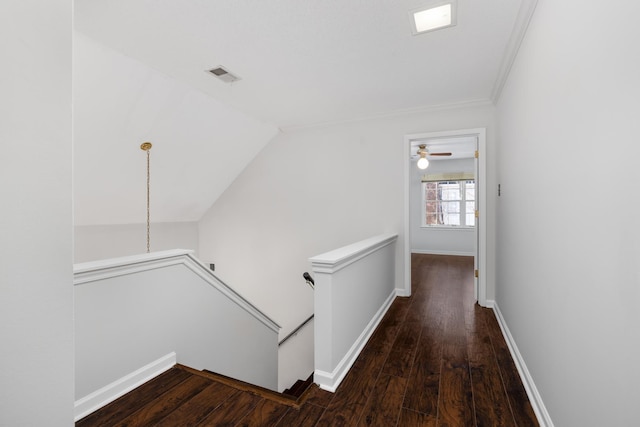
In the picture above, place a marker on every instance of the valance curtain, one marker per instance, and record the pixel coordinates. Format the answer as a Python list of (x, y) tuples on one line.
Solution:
[(451, 176)]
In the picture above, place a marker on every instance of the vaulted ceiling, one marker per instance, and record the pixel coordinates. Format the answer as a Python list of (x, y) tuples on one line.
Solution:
[(139, 74)]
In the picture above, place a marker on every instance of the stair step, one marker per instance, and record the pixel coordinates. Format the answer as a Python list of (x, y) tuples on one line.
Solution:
[(299, 387), (294, 388), (286, 399)]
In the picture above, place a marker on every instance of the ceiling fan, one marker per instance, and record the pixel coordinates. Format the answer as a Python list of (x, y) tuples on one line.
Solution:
[(422, 152)]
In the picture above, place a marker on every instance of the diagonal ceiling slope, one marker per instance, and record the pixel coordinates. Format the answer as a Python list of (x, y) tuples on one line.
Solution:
[(139, 74), (199, 144)]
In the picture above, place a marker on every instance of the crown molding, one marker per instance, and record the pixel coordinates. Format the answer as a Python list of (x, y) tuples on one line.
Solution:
[(476, 103), (513, 46)]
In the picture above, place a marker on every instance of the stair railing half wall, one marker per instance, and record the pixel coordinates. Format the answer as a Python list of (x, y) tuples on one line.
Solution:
[(132, 311), (354, 287)]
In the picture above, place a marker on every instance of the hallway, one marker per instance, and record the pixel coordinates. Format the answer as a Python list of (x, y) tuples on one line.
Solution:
[(436, 359)]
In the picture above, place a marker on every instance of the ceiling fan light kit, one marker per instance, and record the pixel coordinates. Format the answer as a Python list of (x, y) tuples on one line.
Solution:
[(422, 154), (423, 163)]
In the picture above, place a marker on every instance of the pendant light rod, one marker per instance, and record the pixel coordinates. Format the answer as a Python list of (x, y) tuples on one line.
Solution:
[(146, 146)]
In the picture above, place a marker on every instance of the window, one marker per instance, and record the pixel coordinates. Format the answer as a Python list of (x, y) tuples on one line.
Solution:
[(449, 203)]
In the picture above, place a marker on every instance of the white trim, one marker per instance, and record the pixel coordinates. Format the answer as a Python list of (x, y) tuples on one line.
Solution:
[(423, 109), (112, 264), (93, 271), (481, 204), (100, 270), (532, 391), (122, 386), (440, 252), (336, 260), (402, 293), (515, 41), (330, 381)]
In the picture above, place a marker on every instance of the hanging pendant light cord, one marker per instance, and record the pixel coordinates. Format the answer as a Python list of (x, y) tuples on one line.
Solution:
[(146, 146), (148, 204)]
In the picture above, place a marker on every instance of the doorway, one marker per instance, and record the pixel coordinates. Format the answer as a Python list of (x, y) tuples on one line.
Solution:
[(446, 141)]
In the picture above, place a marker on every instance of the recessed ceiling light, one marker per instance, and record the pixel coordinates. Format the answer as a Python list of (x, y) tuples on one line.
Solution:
[(435, 17)]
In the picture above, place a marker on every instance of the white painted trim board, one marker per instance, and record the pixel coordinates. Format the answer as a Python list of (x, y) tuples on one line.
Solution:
[(337, 259), (527, 380), (93, 271), (107, 394), (330, 381), (481, 134)]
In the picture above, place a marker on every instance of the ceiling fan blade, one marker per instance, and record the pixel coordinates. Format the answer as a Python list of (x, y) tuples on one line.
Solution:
[(439, 154)]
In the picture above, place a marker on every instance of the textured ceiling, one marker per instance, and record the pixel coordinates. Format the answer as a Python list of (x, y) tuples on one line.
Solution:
[(139, 74)]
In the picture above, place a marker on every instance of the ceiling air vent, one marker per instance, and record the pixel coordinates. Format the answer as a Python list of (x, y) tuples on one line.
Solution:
[(223, 75)]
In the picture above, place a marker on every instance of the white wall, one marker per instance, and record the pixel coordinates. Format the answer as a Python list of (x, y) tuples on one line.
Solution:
[(94, 242), (295, 357), (568, 238), (36, 292), (438, 240), (313, 190)]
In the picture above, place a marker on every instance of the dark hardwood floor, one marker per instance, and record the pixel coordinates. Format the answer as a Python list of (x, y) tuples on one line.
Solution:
[(436, 359)]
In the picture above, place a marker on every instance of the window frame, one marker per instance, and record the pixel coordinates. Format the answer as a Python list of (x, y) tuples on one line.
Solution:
[(463, 203)]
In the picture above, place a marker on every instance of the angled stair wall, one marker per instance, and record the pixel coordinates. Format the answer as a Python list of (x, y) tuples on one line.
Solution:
[(133, 310)]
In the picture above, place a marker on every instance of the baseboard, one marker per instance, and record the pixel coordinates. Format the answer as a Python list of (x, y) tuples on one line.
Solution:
[(111, 392), (532, 392), (402, 292), (331, 380), (440, 252)]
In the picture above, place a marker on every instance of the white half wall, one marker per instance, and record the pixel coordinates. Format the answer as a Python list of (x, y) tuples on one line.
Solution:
[(438, 240), (95, 242), (354, 289), (312, 190), (132, 311), (568, 241), (36, 225)]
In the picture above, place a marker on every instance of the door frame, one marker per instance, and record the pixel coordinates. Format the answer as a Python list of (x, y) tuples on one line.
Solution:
[(480, 288)]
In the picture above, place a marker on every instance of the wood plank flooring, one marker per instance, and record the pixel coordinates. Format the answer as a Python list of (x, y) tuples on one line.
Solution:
[(436, 359)]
